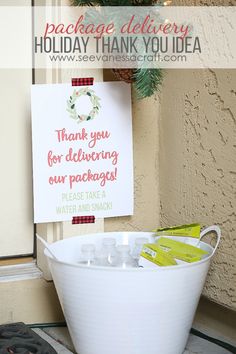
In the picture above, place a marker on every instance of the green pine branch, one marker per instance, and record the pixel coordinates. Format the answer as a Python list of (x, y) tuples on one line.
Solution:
[(115, 2), (147, 82), (86, 2), (101, 2)]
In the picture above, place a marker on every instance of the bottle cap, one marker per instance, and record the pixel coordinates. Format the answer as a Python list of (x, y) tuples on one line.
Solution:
[(123, 248), (88, 247), (141, 240), (108, 241)]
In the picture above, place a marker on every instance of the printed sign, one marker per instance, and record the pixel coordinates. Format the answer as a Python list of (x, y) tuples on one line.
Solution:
[(82, 151)]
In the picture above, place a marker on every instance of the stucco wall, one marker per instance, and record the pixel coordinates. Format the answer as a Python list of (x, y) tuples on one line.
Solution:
[(198, 164), (146, 188)]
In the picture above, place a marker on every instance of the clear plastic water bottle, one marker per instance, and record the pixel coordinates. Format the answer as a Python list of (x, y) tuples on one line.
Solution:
[(87, 254), (124, 259), (138, 245), (108, 253)]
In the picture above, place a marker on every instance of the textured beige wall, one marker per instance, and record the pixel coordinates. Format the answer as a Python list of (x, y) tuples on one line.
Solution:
[(198, 164), (146, 188)]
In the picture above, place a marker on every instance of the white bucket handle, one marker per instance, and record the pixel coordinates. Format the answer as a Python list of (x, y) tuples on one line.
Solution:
[(217, 230)]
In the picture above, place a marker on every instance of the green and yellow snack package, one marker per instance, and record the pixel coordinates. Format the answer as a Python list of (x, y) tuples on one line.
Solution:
[(191, 230), (180, 250), (153, 253)]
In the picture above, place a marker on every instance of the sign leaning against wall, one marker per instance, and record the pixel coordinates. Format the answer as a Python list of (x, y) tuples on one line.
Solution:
[(82, 151)]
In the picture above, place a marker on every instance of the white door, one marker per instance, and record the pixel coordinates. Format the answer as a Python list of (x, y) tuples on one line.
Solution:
[(16, 219), (16, 211)]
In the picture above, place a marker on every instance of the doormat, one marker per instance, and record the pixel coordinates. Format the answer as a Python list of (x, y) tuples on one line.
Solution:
[(18, 338)]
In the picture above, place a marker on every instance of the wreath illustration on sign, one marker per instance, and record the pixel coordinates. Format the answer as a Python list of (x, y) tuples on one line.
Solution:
[(79, 118)]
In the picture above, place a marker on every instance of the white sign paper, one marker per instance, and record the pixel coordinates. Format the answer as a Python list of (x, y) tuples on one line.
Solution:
[(82, 151)]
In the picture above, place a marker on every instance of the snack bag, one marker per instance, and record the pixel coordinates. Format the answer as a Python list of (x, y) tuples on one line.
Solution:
[(180, 250), (152, 255), (191, 230)]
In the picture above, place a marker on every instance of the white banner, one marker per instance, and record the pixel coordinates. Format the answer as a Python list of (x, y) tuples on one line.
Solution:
[(118, 37)]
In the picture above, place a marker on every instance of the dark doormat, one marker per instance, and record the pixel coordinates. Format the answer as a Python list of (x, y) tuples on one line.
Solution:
[(18, 338)]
